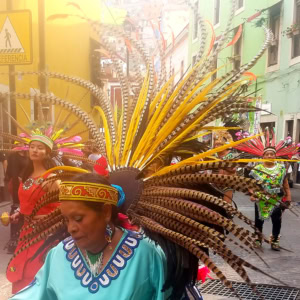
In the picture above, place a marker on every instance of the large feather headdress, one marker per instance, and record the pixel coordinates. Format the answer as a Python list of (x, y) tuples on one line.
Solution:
[(55, 140), (176, 205), (258, 145)]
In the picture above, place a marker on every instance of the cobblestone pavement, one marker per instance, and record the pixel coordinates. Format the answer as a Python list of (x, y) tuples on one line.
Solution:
[(283, 264)]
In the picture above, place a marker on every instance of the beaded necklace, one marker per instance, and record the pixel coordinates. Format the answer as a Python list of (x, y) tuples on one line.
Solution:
[(95, 261)]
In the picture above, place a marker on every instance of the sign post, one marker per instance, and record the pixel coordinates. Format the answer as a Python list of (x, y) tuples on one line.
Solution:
[(15, 46)]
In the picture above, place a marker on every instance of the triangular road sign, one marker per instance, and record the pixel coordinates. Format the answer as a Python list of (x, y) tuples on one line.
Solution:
[(9, 41)]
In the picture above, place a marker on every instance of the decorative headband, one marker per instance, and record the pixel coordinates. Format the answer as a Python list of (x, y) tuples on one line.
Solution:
[(43, 139), (86, 191), (270, 149)]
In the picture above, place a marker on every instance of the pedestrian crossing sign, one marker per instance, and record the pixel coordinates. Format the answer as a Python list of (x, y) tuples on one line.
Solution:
[(15, 37)]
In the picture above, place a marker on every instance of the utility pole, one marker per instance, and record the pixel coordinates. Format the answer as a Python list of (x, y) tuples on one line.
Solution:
[(12, 85), (42, 51)]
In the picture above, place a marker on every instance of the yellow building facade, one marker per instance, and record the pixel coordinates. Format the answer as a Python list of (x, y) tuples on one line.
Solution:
[(67, 50)]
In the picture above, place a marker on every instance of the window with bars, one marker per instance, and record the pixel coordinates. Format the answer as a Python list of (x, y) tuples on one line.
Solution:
[(216, 12), (195, 28), (296, 37), (273, 51)]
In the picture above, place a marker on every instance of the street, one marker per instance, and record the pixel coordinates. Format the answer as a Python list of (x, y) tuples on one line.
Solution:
[(283, 264)]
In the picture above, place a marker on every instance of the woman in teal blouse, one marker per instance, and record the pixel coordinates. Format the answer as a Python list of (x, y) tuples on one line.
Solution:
[(100, 259)]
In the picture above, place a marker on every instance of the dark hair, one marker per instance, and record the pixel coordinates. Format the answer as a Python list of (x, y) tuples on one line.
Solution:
[(97, 207), (47, 162)]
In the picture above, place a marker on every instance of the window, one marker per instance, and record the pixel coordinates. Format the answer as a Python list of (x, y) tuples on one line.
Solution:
[(296, 37), (289, 128), (217, 12), (195, 29), (237, 51), (239, 5), (275, 27)]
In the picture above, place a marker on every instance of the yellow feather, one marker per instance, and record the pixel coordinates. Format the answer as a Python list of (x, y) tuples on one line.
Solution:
[(151, 130), (159, 95), (135, 119), (66, 169), (169, 103), (70, 145), (196, 159), (118, 142), (57, 134), (108, 143), (169, 127)]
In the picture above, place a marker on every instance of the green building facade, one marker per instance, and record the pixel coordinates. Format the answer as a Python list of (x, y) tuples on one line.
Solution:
[(277, 88)]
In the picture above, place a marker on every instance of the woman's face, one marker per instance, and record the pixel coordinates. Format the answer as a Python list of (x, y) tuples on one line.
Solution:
[(86, 226), (37, 151), (269, 155)]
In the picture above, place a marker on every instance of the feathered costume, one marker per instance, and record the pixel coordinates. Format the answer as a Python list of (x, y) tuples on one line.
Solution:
[(273, 181), (22, 268), (257, 146), (175, 205)]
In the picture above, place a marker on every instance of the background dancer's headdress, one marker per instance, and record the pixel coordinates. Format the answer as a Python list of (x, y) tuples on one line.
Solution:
[(176, 205), (54, 138), (267, 142)]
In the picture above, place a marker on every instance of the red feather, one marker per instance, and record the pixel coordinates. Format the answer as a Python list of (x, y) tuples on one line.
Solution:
[(236, 37), (101, 166), (251, 75), (213, 37)]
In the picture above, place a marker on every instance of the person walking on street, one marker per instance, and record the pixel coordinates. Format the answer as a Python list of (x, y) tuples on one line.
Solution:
[(273, 176)]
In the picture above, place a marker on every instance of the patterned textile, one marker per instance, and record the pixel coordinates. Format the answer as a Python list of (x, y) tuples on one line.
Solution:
[(272, 179)]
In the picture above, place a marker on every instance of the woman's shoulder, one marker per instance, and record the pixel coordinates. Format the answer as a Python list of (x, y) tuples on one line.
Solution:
[(151, 247)]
